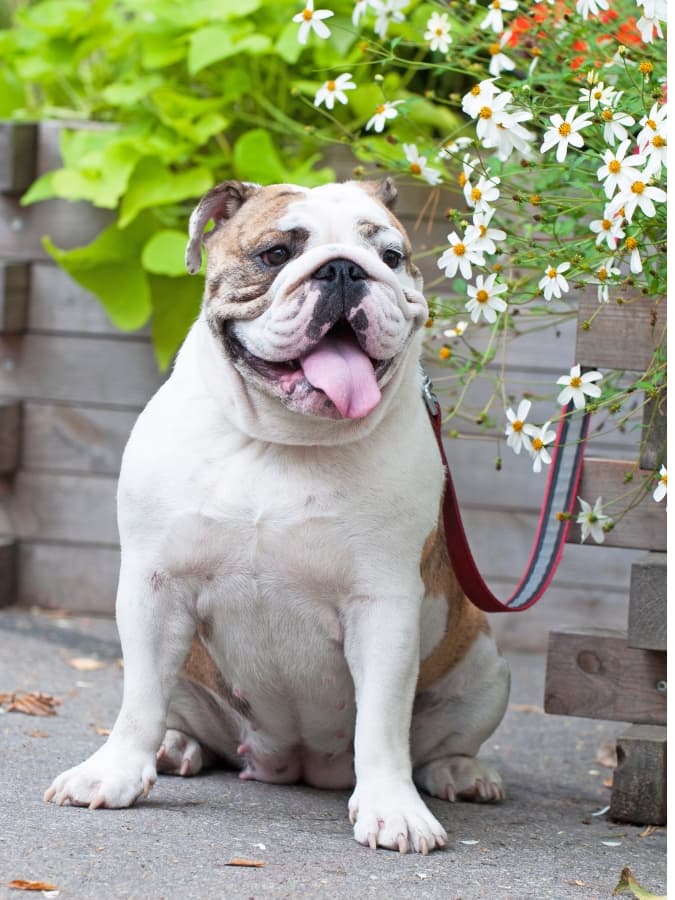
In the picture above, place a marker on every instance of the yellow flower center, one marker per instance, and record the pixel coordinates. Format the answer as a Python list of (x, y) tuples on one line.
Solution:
[(494, 49), (439, 32), (496, 4), (597, 95), (476, 193), (651, 123), (444, 353), (565, 129), (459, 249), (482, 296), (664, 480), (415, 168), (637, 187), (517, 425), (614, 166), (576, 381), (475, 90), (606, 225), (607, 115), (631, 243), (551, 272), (462, 179), (538, 444), (602, 273), (659, 141), (485, 112), (646, 67), (380, 109), (330, 85), (535, 199), (307, 14), (483, 230)]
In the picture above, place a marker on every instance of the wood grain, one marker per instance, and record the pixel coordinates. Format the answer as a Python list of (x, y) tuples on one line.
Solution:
[(648, 599), (18, 147), (639, 792), (74, 577), (8, 569), (14, 283), (595, 674), (10, 431), (620, 337)]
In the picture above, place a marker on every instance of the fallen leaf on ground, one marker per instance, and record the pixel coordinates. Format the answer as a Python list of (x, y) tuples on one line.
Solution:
[(611, 843), (31, 703), (37, 734), (85, 663), (20, 884), (247, 863), (649, 830), (606, 755), (104, 732), (577, 882), (627, 883), (526, 707), (608, 782)]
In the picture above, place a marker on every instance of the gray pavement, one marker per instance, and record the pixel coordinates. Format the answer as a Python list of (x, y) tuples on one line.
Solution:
[(543, 842)]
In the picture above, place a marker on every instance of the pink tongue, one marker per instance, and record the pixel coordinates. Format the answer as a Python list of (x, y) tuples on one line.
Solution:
[(339, 367)]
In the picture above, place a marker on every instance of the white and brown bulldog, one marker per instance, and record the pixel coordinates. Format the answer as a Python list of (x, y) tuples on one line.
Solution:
[(286, 603)]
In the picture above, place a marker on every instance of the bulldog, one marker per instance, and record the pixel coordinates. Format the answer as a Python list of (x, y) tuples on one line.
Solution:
[(286, 604)]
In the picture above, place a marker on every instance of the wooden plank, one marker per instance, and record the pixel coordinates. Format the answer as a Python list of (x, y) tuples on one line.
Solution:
[(639, 791), (596, 675), (643, 527), (74, 577), (10, 430), (60, 507), (654, 433), (8, 570), (620, 336), (14, 285), (69, 224), (73, 369), (647, 610), (18, 146), (76, 439), (59, 304)]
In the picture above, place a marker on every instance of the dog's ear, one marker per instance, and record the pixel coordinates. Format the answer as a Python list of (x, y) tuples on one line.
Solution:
[(387, 193), (220, 204)]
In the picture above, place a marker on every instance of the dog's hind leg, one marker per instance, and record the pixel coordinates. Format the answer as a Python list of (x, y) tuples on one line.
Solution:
[(181, 754)]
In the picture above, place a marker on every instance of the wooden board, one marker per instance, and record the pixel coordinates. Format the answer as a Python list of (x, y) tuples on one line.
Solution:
[(73, 577), (10, 428), (643, 527), (73, 369), (18, 145), (655, 433), (595, 674), (620, 337), (14, 280), (648, 600), (639, 792), (8, 570)]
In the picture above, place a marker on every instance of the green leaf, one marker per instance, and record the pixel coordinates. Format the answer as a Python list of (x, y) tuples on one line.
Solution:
[(287, 46), (217, 42), (164, 253), (256, 159), (110, 267), (153, 184), (175, 306), (41, 189)]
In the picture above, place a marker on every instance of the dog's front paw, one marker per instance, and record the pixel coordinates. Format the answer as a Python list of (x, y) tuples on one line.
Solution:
[(394, 816), (112, 777), (460, 778)]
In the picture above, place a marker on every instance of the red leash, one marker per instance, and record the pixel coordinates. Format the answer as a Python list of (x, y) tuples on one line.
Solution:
[(549, 541)]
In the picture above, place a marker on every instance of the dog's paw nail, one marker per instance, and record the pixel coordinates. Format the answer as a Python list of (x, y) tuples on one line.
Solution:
[(402, 843), (97, 802), (424, 847), (451, 793), (372, 841), (185, 767), (161, 753), (352, 815), (440, 841), (49, 794)]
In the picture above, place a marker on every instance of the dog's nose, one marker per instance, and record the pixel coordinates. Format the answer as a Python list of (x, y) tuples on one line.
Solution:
[(343, 270)]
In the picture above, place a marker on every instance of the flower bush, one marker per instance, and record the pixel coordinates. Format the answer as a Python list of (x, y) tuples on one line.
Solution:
[(547, 119)]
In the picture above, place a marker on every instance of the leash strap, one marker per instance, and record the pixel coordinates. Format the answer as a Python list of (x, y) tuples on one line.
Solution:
[(549, 541)]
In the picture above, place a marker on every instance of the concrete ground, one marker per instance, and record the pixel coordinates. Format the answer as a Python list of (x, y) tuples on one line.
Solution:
[(543, 842)]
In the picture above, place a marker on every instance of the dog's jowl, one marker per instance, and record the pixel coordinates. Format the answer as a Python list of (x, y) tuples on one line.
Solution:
[(286, 604)]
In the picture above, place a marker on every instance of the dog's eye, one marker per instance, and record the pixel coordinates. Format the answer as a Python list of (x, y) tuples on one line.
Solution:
[(391, 258), (276, 256)]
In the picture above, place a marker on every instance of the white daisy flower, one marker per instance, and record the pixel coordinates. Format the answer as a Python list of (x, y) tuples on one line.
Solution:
[(360, 9), (566, 132), (500, 62), (454, 146), (387, 11), (554, 283), (484, 192), (480, 95), (540, 438), (615, 123), (494, 18), (418, 165), (490, 117), (597, 94), (603, 278), (438, 32), (485, 300), (592, 520), (649, 28), (310, 19), (509, 134), (654, 123), (587, 8), (516, 437), (634, 260), (461, 254), (662, 486), (608, 230), (577, 387), (334, 89), (618, 172), (485, 236), (637, 195), (456, 331), (383, 113)]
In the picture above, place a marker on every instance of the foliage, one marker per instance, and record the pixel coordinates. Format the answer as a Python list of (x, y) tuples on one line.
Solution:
[(517, 106)]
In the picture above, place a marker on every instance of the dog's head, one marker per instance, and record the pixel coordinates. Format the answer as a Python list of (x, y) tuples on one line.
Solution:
[(312, 294)]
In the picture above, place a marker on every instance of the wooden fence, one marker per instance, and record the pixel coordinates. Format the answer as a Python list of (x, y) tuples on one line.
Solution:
[(71, 386)]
